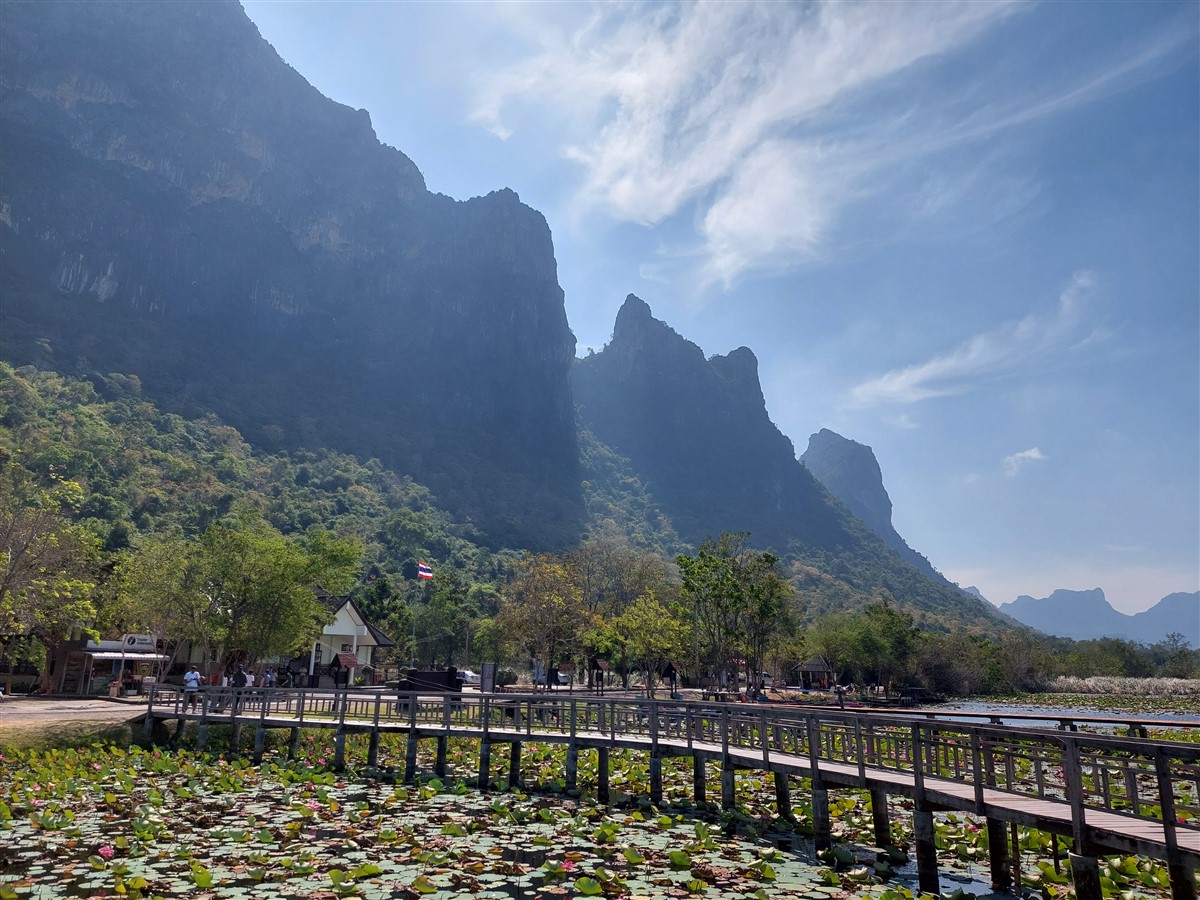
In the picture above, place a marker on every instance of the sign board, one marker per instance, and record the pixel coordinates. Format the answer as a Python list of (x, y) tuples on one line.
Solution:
[(139, 642), (487, 678)]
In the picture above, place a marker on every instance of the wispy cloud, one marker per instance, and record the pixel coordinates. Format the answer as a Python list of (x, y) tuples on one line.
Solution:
[(985, 356), (1014, 463), (767, 121)]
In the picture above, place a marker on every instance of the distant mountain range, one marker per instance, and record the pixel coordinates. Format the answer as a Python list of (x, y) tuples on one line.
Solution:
[(1086, 615)]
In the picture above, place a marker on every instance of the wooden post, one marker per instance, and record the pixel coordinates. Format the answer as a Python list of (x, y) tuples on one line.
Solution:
[(410, 757), (373, 740), (656, 793), (1014, 840), (698, 788), (879, 818), (339, 736), (439, 765), (235, 742), (822, 830), (1085, 873), (572, 767), (294, 744), (260, 733), (514, 764), (260, 743), (728, 784), (602, 772), (998, 857), (339, 748), (977, 775), (1182, 885), (202, 728), (485, 764), (148, 722), (927, 866), (783, 796)]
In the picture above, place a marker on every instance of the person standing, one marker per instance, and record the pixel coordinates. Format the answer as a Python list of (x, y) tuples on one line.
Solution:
[(238, 681), (191, 685)]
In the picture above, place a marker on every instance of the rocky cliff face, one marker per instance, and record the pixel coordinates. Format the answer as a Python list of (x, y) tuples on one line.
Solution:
[(179, 203), (697, 431), (850, 471)]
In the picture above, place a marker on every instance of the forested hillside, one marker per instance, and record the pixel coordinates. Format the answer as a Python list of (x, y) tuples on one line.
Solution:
[(142, 497)]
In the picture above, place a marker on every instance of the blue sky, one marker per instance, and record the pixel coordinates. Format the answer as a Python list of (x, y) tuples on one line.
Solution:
[(964, 234)]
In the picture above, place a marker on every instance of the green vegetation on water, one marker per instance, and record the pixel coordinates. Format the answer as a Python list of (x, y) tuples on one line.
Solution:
[(102, 821)]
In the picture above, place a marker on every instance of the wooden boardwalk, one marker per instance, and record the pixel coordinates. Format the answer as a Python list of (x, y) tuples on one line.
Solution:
[(1108, 794)]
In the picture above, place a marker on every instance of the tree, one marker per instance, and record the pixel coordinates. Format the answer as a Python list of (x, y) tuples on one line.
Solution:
[(542, 612), (442, 620), (610, 574), (242, 585), (738, 598), (161, 589), (47, 563), (653, 634), (894, 640)]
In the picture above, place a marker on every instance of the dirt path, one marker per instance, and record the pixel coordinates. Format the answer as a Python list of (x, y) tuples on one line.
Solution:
[(31, 721)]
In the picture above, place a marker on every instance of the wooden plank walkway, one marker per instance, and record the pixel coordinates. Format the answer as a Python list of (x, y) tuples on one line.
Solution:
[(1107, 790)]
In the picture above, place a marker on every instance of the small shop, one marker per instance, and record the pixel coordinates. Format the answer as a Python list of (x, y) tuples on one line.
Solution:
[(124, 667), (815, 674)]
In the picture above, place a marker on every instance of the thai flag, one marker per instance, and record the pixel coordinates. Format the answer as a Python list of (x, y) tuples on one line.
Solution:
[(424, 571)]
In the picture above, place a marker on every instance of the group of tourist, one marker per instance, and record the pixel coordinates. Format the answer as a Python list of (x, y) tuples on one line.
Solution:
[(239, 678)]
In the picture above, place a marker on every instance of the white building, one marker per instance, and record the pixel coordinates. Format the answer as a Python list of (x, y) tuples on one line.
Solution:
[(346, 644)]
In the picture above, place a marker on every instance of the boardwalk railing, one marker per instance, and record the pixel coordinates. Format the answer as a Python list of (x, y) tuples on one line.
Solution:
[(1128, 793)]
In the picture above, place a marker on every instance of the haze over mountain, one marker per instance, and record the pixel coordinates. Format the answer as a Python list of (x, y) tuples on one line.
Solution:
[(850, 471), (1085, 615), (181, 205), (973, 276)]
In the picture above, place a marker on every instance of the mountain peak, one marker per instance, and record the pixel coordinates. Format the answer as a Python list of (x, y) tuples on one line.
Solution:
[(1087, 615), (850, 471)]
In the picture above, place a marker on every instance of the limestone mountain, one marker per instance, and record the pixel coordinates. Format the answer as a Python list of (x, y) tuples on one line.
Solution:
[(850, 471), (180, 204), (1086, 615), (697, 431)]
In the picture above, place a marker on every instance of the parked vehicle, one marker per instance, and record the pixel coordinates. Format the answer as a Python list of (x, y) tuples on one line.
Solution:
[(466, 676)]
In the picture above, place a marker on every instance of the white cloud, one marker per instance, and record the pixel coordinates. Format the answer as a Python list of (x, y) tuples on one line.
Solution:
[(767, 121), (985, 356), (1014, 463)]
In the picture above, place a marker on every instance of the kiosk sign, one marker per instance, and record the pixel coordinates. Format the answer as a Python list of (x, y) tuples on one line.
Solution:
[(138, 642)]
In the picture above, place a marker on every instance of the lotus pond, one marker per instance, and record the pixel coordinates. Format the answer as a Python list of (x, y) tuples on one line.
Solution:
[(105, 821)]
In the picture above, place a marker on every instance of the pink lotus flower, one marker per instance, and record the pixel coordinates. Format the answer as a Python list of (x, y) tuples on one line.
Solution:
[(105, 851), (569, 866), (313, 805)]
